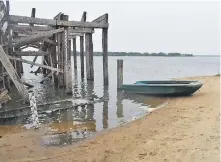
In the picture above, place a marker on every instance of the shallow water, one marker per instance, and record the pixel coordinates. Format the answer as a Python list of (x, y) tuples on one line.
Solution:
[(72, 124)]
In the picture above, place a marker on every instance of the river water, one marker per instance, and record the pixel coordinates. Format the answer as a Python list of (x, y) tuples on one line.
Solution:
[(67, 126)]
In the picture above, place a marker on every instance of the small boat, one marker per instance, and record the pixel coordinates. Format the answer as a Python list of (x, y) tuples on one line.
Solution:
[(163, 88)]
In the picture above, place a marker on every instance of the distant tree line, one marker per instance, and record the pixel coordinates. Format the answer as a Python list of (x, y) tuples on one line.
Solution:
[(141, 54)]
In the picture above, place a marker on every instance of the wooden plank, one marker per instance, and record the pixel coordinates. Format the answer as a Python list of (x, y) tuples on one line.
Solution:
[(35, 37), (26, 29), (31, 20), (82, 55), (89, 56), (13, 74), (50, 22), (75, 53), (36, 64), (30, 53), (71, 37), (75, 34), (81, 30), (119, 73)]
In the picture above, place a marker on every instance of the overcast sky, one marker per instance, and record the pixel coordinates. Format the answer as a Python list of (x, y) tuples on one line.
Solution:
[(187, 27)]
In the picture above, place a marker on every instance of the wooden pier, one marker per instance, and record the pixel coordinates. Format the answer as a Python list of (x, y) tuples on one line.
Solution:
[(55, 40)]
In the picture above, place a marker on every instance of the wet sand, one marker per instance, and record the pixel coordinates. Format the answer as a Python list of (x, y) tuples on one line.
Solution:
[(186, 129)]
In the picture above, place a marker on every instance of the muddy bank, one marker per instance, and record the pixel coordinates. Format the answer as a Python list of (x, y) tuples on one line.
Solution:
[(187, 129)]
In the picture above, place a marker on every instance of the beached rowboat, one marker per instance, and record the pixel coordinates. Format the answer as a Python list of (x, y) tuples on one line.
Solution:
[(163, 88)]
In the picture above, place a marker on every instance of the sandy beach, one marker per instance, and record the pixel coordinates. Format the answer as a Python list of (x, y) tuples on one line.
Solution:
[(186, 129)]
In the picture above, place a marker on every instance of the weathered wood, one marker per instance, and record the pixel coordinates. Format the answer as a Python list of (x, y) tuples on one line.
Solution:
[(36, 64), (82, 55), (71, 37), (68, 70), (75, 34), (13, 74), (81, 30), (30, 53), (34, 38), (33, 11), (50, 22), (104, 19), (89, 56), (119, 73), (75, 53), (50, 41), (60, 60), (101, 19), (26, 29), (84, 16), (105, 55)]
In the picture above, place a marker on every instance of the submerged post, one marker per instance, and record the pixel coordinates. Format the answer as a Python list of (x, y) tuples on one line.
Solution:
[(119, 73), (89, 56), (82, 55), (74, 53)]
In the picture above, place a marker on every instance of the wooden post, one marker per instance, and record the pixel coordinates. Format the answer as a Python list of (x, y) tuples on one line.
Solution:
[(105, 49), (89, 56), (60, 60), (74, 53), (13, 74), (82, 55), (68, 70), (105, 55), (119, 73), (83, 19)]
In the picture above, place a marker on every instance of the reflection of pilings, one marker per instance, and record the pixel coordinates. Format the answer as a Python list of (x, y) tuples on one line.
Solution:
[(90, 107), (75, 87), (120, 112), (105, 107)]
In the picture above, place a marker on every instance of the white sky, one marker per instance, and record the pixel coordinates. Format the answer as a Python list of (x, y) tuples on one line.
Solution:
[(187, 27)]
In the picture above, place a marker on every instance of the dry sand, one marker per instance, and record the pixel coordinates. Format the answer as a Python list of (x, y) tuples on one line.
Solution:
[(187, 129)]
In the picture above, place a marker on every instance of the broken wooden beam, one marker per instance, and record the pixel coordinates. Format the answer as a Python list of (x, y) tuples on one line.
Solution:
[(34, 38), (102, 19), (13, 74), (30, 53), (36, 64), (51, 22)]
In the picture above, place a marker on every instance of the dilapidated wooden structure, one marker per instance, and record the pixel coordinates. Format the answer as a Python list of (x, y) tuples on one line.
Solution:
[(54, 39)]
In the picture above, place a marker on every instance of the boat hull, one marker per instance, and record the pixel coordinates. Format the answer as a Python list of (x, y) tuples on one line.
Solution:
[(163, 88)]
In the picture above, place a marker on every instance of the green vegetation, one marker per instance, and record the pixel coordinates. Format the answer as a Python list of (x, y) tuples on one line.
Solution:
[(141, 54)]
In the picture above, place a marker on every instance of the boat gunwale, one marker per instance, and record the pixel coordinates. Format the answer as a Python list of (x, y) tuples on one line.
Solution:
[(191, 84)]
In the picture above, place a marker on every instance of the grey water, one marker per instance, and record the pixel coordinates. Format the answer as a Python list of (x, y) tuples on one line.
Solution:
[(117, 108)]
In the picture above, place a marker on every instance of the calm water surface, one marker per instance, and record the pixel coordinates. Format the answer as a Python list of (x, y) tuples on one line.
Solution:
[(76, 123)]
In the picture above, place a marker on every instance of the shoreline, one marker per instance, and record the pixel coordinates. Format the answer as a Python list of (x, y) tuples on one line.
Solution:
[(186, 129)]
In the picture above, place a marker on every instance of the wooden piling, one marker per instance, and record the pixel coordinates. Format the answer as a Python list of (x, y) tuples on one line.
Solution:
[(82, 55), (119, 73), (68, 70), (105, 55), (74, 53), (89, 56)]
